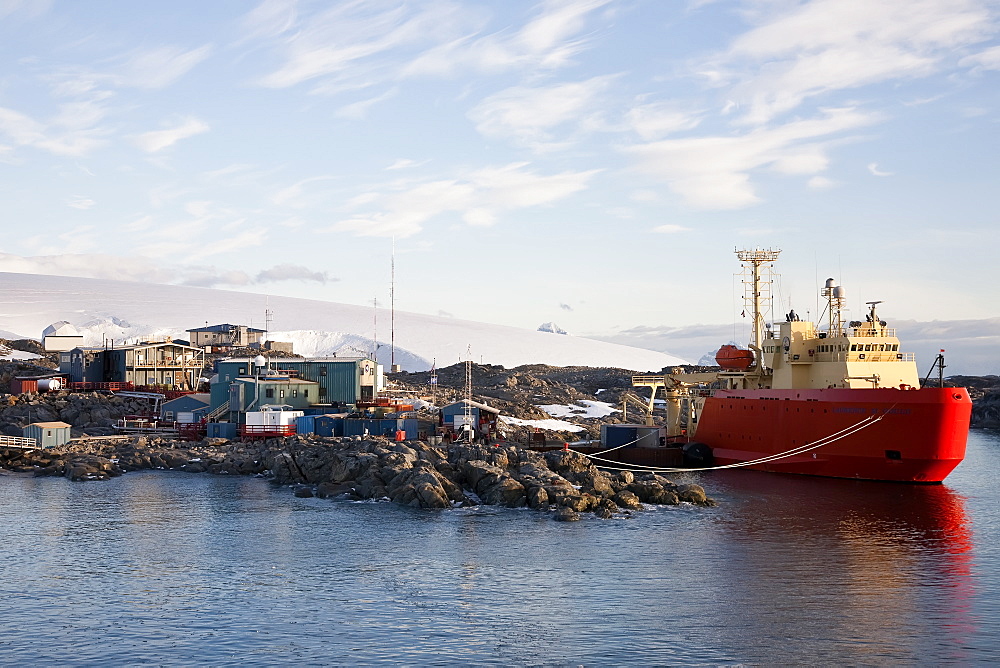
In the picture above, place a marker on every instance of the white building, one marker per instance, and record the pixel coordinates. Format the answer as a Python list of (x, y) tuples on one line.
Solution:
[(61, 336)]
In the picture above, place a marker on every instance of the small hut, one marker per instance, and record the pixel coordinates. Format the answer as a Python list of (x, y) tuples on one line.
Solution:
[(48, 434), (483, 418)]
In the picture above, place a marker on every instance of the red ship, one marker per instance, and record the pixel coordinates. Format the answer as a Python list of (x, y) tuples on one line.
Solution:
[(834, 399)]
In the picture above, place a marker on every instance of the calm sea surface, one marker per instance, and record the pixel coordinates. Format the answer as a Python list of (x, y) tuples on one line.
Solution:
[(174, 568)]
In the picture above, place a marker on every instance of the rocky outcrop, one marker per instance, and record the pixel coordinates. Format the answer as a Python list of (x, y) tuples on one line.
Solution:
[(986, 410), (90, 413), (413, 473)]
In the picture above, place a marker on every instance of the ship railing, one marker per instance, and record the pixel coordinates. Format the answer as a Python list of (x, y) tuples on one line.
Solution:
[(881, 357), (647, 380), (872, 332), (157, 364)]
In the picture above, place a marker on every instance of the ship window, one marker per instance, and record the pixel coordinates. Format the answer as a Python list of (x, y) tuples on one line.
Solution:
[(269, 393), (854, 346)]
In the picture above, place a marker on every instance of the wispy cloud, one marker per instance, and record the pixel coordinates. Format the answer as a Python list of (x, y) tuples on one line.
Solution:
[(875, 171), (713, 172), (548, 41), (212, 277), (657, 120), (987, 59), (82, 203), (157, 140), (161, 66), (87, 265), (292, 272), (478, 197), (52, 137), (347, 43), (835, 45), (355, 45), (530, 114), (299, 194), (671, 229)]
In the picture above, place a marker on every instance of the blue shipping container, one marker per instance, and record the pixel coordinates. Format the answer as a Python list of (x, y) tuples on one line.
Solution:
[(305, 424), (222, 430)]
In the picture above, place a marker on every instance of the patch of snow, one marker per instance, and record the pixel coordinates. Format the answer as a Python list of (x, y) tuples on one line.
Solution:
[(590, 409), (550, 425), (19, 355)]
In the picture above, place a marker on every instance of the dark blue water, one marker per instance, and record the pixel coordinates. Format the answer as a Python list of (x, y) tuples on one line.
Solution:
[(173, 568)]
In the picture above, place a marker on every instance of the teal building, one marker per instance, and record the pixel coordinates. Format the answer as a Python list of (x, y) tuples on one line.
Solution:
[(299, 382)]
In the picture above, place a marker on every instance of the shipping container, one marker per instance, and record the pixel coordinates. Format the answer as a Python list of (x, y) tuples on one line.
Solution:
[(222, 430), (631, 435), (306, 424)]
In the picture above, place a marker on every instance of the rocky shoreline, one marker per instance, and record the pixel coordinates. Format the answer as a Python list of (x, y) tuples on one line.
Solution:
[(412, 473)]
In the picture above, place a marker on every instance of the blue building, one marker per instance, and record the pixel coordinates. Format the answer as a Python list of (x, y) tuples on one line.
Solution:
[(196, 404)]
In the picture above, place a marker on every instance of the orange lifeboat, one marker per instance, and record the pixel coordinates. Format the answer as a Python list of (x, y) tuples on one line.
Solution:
[(732, 358)]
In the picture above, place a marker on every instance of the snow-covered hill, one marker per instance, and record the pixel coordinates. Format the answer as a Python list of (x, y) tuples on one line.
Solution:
[(123, 311)]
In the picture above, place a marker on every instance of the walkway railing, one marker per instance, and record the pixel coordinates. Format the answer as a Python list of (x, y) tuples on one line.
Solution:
[(18, 442)]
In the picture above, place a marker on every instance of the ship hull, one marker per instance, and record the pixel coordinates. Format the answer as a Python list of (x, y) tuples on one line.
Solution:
[(912, 435)]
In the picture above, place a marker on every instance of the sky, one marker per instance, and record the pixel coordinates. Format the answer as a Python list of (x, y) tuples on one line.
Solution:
[(592, 163)]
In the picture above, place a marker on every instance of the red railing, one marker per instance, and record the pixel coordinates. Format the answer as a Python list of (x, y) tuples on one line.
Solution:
[(192, 431), (255, 431), (85, 385)]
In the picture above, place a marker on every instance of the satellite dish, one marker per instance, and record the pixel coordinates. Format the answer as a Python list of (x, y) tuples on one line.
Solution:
[(259, 361)]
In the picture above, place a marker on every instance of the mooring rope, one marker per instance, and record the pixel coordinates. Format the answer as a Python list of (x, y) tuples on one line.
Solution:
[(826, 440)]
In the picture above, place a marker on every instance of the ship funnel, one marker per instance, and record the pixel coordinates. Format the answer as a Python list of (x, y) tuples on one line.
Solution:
[(838, 292), (830, 283)]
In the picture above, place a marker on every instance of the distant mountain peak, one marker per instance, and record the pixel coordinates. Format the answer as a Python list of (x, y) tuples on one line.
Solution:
[(552, 328)]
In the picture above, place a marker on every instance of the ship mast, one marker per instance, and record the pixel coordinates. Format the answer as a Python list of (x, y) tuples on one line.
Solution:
[(752, 260)]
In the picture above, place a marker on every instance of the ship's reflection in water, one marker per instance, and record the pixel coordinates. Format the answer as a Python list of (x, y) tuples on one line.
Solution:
[(828, 570)]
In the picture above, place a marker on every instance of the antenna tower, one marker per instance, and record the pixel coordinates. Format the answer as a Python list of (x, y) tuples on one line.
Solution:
[(467, 413), (392, 307), (268, 317), (757, 291)]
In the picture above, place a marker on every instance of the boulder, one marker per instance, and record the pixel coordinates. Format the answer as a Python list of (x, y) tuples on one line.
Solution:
[(628, 500), (565, 514), (694, 494)]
